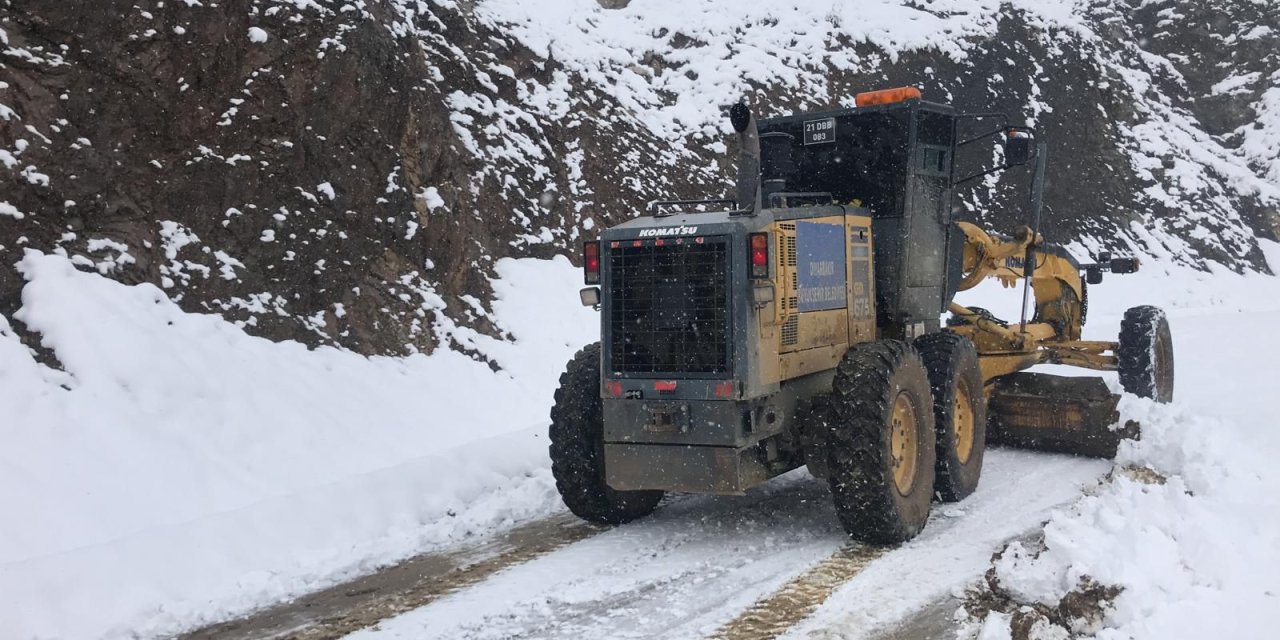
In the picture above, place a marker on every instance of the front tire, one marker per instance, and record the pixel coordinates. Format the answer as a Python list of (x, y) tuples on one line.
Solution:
[(1146, 354), (577, 448), (881, 442), (959, 412)]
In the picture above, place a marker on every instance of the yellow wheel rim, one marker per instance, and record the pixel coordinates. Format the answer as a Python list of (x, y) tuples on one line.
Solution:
[(903, 443), (962, 418)]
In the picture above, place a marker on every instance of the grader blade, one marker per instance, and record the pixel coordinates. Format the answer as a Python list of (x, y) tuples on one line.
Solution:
[(1056, 413)]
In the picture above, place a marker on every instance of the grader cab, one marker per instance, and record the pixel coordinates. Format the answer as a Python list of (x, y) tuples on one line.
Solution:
[(798, 323)]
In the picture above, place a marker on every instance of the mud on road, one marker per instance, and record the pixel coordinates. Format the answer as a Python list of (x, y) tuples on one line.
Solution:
[(348, 607)]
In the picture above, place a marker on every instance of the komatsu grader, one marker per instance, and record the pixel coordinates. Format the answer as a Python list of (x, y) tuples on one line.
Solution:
[(799, 323)]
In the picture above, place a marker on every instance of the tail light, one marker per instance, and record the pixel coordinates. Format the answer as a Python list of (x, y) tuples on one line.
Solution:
[(758, 246), (591, 262)]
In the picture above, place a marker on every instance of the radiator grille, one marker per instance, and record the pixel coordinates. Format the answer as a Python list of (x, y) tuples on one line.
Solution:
[(668, 307)]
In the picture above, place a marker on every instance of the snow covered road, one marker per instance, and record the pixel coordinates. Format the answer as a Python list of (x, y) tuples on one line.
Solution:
[(700, 561)]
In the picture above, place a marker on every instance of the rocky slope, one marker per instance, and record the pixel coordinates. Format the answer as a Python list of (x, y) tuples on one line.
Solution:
[(348, 171)]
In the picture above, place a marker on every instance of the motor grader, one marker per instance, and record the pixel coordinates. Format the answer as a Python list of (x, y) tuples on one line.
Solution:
[(799, 323)]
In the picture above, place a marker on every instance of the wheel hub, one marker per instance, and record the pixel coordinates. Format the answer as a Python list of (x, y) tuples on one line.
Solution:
[(962, 418), (903, 443)]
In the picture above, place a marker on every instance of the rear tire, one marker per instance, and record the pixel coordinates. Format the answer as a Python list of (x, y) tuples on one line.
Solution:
[(881, 442), (577, 448), (1146, 354), (959, 412)]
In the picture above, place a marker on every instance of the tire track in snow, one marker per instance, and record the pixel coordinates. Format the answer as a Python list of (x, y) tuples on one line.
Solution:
[(351, 606), (690, 570), (773, 615)]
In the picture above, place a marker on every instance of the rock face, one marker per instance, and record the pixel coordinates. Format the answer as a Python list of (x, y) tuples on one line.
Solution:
[(348, 172)]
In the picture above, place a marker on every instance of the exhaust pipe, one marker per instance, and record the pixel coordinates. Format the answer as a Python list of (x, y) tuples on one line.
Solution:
[(744, 123)]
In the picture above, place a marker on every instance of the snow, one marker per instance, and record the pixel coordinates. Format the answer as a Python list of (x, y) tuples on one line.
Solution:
[(11, 211), (202, 472), (431, 196), (1206, 540), (668, 63), (761, 41), (1261, 142), (699, 561), (188, 471)]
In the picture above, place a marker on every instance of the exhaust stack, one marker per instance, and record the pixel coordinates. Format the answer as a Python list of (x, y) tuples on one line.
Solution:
[(748, 157)]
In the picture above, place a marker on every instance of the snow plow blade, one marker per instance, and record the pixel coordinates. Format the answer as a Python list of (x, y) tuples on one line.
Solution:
[(1056, 413)]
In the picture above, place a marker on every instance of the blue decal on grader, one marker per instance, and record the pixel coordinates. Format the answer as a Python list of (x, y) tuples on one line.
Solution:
[(820, 266)]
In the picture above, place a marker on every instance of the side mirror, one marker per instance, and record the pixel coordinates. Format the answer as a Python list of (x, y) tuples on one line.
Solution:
[(1124, 265), (1017, 149), (1093, 275)]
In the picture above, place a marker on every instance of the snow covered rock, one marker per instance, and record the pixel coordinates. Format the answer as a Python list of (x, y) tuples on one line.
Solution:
[(461, 133)]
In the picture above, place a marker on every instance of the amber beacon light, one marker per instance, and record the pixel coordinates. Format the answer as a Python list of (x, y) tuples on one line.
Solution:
[(887, 96)]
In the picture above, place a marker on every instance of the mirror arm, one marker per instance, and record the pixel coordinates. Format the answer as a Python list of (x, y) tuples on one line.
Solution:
[(1004, 124), (982, 136), (980, 174)]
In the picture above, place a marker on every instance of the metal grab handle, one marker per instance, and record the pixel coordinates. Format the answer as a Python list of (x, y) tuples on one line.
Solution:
[(654, 207), (783, 198)]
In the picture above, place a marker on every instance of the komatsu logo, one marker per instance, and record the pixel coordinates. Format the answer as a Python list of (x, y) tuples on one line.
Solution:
[(668, 231)]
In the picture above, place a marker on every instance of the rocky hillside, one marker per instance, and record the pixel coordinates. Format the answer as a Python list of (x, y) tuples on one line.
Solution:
[(348, 171)]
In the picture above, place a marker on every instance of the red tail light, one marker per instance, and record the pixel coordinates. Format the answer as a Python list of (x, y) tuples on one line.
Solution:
[(664, 385), (591, 262), (758, 245)]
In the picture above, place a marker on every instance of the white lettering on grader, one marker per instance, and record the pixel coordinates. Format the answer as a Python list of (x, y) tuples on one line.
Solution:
[(819, 295), (822, 268), (668, 231)]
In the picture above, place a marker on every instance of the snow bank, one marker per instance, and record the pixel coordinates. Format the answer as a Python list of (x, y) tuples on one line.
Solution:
[(1201, 537), (1204, 542), (180, 470)]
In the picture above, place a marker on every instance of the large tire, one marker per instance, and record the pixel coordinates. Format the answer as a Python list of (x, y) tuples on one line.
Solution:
[(959, 412), (577, 448), (881, 482), (1146, 354)]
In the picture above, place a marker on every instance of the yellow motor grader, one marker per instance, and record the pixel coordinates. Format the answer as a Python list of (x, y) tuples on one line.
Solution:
[(799, 323)]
